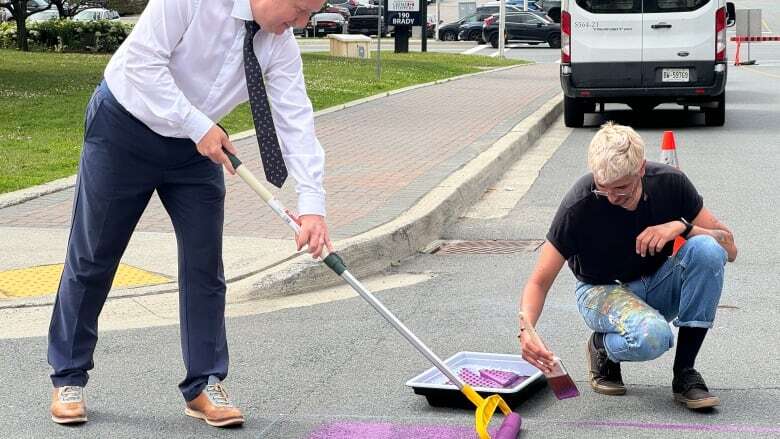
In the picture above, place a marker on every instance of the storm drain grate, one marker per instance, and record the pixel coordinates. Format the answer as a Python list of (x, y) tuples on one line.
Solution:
[(484, 247)]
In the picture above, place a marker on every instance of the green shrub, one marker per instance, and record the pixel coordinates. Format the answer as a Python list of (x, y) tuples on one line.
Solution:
[(68, 35)]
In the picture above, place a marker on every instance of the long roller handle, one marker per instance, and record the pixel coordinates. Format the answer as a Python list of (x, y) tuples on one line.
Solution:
[(335, 263)]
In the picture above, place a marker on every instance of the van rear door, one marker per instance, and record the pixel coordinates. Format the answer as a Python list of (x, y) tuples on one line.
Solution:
[(606, 43), (679, 42)]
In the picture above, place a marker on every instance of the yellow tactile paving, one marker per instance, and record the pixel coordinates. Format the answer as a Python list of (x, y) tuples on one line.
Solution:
[(44, 280)]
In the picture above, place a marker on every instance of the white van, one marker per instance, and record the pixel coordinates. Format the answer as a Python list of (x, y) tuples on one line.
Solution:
[(644, 53)]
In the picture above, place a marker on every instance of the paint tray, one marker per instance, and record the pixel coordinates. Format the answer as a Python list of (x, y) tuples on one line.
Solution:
[(440, 392)]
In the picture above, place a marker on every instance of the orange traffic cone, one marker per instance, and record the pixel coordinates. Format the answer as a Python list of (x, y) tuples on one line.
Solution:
[(669, 157), (669, 150)]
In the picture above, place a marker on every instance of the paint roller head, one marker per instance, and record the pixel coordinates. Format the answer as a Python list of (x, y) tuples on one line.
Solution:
[(510, 428)]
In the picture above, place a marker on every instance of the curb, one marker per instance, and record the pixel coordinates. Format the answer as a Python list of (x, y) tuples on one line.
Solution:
[(375, 250), (31, 193), (27, 194)]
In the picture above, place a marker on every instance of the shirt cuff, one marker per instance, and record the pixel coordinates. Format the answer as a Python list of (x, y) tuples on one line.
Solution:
[(196, 125), (311, 204)]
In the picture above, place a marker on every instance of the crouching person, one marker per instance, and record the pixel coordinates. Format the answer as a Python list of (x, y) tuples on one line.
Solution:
[(616, 227)]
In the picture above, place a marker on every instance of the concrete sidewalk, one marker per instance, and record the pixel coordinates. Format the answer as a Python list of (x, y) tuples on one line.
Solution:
[(397, 168)]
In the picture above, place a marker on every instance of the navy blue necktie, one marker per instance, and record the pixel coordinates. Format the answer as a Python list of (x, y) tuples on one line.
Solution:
[(270, 152)]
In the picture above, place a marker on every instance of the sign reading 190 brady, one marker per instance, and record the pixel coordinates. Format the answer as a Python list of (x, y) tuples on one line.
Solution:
[(403, 12)]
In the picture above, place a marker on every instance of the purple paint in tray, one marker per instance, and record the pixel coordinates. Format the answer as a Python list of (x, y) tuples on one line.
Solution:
[(504, 378), (489, 378)]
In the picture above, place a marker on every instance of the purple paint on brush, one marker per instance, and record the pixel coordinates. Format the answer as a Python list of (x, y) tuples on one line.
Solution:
[(729, 428), (384, 430)]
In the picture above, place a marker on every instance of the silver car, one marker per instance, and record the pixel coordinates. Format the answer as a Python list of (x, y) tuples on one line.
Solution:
[(95, 14)]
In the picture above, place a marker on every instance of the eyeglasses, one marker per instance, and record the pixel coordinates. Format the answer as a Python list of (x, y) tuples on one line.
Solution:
[(628, 192), (599, 193)]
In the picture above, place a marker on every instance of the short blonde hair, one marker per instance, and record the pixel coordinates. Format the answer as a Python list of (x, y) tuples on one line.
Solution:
[(616, 151)]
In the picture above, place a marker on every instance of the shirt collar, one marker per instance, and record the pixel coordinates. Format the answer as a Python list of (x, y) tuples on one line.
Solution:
[(242, 10)]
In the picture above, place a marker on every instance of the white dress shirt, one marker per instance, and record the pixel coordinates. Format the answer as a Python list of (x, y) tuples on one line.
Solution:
[(182, 68)]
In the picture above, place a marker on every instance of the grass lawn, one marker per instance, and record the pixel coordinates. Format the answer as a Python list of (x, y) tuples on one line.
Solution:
[(43, 96)]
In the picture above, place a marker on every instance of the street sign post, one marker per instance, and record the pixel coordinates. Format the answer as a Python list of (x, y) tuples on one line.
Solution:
[(403, 14)]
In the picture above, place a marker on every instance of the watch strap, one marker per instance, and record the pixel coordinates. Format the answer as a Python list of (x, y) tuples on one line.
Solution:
[(688, 227)]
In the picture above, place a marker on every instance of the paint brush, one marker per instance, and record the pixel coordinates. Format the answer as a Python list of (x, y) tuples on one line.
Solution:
[(559, 380)]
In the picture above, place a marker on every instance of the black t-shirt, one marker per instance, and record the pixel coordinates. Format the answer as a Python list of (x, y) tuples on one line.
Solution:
[(599, 239)]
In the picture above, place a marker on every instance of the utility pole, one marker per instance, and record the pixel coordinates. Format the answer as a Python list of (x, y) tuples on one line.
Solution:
[(424, 19), (501, 27), (438, 19), (379, 43)]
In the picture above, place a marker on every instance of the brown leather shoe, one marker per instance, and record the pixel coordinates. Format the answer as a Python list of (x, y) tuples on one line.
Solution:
[(605, 376), (689, 389), (214, 406), (67, 405)]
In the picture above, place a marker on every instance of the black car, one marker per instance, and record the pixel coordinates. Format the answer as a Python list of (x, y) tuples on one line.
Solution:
[(366, 21), (471, 32), (524, 27), (449, 31)]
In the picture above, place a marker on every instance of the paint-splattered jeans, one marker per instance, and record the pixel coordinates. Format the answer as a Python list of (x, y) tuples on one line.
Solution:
[(635, 316)]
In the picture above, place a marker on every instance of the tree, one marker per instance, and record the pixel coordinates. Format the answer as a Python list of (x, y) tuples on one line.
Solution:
[(19, 11)]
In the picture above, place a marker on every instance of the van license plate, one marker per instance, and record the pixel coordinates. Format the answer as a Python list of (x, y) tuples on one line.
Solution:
[(675, 75)]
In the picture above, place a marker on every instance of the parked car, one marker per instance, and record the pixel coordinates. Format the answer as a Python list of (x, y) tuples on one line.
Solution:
[(338, 9), (365, 21), (523, 27), (327, 23), (38, 5), (45, 15), (95, 14), (644, 54), (449, 31), (471, 31)]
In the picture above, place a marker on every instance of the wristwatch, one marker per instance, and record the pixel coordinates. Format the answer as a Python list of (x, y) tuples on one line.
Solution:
[(688, 227)]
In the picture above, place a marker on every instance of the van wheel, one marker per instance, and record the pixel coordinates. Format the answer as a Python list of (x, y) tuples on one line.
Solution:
[(475, 35), (494, 41), (573, 113), (716, 117), (554, 41)]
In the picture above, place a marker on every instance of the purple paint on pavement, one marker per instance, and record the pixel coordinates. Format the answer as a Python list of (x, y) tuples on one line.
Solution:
[(384, 430), (718, 428)]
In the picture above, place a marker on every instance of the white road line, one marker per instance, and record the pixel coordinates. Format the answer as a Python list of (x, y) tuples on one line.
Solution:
[(500, 199), (474, 49), (163, 309), (495, 54)]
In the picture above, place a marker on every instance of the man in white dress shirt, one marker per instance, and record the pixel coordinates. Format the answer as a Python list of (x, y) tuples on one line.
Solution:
[(151, 126)]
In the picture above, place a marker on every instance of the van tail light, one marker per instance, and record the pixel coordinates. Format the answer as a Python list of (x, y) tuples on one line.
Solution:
[(488, 21), (720, 35), (566, 37)]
